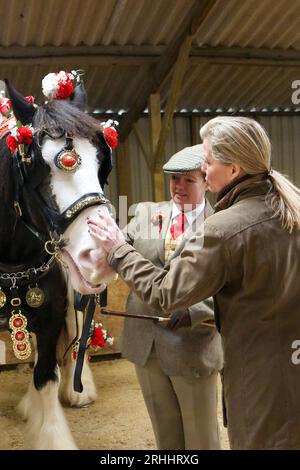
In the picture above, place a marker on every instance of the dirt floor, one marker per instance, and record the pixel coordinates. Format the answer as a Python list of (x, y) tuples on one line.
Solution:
[(117, 420)]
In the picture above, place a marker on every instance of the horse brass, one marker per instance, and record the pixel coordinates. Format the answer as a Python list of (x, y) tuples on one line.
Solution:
[(2, 298), (35, 297)]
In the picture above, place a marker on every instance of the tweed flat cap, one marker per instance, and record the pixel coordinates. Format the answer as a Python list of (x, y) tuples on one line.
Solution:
[(187, 159)]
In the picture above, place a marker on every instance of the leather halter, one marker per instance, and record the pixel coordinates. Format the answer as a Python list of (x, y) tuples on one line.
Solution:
[(56, 222)]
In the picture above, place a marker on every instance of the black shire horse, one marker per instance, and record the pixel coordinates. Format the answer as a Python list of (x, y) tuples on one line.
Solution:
[(46, 252)]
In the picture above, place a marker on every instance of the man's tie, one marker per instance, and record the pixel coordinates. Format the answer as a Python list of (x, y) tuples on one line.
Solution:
[(179, 226)]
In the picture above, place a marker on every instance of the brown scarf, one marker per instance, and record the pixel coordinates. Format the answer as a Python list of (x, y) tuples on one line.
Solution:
[(229, 193)]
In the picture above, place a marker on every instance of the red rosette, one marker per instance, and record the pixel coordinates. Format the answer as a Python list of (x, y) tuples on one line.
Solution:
[(98, 338), (24, 135), (5, 108), (11, 143), (111, 136), (65, 89)]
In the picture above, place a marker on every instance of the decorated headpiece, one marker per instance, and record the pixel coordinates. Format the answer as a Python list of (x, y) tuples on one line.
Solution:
[(60, 85), (66, 86), (110, 133), (19, 134), (17, 112)]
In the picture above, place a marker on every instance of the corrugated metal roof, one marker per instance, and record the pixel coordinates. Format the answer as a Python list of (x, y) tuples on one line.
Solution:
[(252, 23), (31, 29), (236, 85), (90, 22)]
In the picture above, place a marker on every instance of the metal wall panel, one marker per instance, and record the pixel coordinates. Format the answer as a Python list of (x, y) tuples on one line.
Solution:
[(141, 180), (284, 132)]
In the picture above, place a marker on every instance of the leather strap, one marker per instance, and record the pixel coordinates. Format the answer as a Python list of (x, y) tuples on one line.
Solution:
[(82, 345)]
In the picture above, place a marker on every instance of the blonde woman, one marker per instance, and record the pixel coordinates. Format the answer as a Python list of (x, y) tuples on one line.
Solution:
[(249, 260), (176, 367)]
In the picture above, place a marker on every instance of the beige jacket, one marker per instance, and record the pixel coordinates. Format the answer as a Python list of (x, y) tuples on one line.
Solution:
[(251, 266), (192, 351)]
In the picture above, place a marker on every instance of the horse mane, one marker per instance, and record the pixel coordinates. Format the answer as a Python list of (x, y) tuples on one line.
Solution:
[(6, 179), (60, 117), (7, 189)]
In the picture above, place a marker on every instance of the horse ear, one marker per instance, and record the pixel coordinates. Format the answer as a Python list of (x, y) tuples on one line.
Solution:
[(79, 98), (23, 110)]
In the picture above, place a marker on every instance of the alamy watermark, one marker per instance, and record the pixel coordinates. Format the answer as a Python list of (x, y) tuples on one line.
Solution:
[(151, 220), (296, 93), (295, 358)]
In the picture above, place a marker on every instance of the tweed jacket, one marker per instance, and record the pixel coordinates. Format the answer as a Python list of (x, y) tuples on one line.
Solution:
[(251, 265), (192, 351)]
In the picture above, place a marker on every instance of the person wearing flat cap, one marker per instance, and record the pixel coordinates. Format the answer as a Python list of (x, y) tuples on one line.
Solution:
[(177, 361)]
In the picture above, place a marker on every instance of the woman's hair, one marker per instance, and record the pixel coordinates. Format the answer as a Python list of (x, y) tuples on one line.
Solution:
[(245, 142)]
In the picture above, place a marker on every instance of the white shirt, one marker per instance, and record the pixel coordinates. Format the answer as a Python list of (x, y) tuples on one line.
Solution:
[(190, 215)]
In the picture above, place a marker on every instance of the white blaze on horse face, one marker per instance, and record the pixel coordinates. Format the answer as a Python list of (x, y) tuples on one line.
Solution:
[(68, 186), (87, 262)]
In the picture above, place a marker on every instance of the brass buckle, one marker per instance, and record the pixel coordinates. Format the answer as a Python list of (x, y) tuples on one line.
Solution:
[(15, 301), (18, 208)]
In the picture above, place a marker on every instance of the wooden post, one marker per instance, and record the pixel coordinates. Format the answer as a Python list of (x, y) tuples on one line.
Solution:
[(154, 119), (155, 130), (176, 84)]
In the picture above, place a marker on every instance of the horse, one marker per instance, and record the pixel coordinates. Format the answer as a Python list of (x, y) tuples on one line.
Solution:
[(48, 189)]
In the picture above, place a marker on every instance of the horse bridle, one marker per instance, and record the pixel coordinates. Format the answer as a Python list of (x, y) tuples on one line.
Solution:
[(30, 171)]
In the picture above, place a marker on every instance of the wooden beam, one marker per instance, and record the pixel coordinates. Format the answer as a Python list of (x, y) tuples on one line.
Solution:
[(197, 60), (155, 130), (197, 14), (145, 52), (245, 53), (154, 120), (143, 55), (158, 185), (176, 83)]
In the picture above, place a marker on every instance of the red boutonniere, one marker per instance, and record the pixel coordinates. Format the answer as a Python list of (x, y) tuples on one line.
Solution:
[(156, 220)]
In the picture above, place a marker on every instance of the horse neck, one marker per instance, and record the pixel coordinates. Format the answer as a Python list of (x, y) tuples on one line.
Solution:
[(17, 244)]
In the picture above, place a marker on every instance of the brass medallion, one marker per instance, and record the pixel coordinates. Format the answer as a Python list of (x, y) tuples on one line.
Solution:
[(20, 335), (2, 298), (35, 297)]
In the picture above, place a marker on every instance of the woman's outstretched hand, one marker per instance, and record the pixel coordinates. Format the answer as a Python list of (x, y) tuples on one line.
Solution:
[(105, 230)]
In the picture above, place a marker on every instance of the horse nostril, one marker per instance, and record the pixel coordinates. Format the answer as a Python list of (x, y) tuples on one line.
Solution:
[(91, 258)]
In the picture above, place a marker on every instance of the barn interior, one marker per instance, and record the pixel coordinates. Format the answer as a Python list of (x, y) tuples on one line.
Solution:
[(161, 68)]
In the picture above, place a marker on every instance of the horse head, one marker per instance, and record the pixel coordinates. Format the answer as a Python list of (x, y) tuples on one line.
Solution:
[(64, 167)]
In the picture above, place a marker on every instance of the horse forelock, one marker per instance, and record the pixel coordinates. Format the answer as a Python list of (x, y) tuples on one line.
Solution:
[(58, 117)]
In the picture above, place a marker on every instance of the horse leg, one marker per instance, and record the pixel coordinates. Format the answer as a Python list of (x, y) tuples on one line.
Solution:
[(46, 426), (28, 400), (66, 393)]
